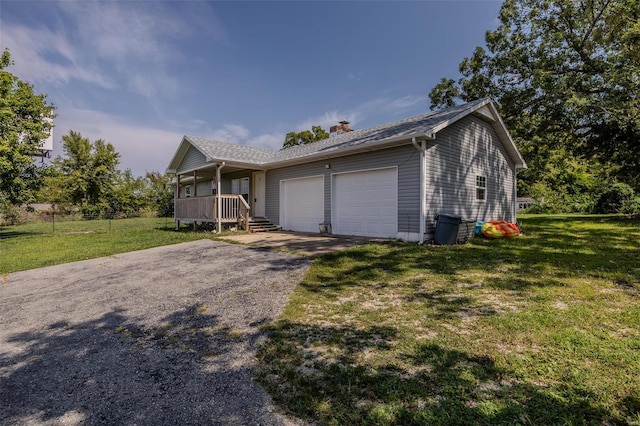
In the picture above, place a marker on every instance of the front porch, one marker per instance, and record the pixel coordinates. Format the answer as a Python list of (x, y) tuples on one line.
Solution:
[(228, 208)]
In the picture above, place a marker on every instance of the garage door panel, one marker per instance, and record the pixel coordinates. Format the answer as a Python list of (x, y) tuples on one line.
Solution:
[(365, 203), (302, 204)]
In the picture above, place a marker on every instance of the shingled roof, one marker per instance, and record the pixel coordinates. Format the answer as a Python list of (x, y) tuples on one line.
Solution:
[(426, 125)]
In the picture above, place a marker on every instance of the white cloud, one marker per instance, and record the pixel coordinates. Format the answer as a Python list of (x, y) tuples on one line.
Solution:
[(231, 133), (268, 141)]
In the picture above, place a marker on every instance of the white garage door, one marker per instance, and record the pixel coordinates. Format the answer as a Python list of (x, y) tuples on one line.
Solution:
[(302, 204), (365, 203)]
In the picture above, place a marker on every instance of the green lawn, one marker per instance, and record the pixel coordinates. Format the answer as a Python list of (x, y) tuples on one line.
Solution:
[(36, 245), (541, 329)]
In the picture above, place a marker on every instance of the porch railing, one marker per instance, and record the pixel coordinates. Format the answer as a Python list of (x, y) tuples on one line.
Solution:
[(196, 208), (233, 208)]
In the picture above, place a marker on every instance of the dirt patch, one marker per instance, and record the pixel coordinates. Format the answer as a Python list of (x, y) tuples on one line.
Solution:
[(303, 243)]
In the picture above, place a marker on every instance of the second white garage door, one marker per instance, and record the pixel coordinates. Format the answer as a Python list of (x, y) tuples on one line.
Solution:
[(365, 203), (302, 204)]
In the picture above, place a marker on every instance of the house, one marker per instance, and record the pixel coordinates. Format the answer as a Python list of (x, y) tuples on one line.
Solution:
[(525, 203), (390, 180)]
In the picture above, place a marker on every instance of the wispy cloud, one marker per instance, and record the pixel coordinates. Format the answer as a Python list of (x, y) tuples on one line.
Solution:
[(328, 119), (399, 105), (385, 108), (29, 50), (131, 45), (355, 75)]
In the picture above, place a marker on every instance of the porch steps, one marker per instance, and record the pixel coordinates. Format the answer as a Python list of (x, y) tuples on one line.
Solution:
[(261, 224)]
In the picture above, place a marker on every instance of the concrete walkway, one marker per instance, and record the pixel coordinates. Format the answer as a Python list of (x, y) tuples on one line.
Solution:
[(304, 243)]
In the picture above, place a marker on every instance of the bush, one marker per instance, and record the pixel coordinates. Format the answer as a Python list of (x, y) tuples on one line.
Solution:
[(13, 215), (613, 198), (632, 207)]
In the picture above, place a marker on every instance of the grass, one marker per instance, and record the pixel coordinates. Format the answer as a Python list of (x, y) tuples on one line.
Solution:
[(541, 329), (36, 245)]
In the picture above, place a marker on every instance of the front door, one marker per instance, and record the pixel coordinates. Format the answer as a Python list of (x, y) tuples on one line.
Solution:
[(258, 194)]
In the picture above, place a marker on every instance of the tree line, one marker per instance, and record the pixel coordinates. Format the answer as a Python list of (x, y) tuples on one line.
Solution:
[(86, 178)]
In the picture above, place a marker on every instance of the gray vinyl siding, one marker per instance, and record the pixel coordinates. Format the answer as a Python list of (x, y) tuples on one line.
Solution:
[(204, 188), (462, 151), (406, 158), (192, 160)]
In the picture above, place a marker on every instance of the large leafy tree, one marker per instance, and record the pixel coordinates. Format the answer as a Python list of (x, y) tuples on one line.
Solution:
[(87, 176), (566, 77), (25, 121), (304, 137)]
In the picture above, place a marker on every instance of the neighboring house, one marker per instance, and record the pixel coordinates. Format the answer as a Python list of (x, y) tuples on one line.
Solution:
[(524, 203), (389, 180)]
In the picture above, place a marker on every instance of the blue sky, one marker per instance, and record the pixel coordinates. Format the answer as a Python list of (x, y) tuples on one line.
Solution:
[(140, 74)]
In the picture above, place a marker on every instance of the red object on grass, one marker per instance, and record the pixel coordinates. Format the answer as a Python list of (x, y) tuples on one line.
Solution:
[(500, 229)]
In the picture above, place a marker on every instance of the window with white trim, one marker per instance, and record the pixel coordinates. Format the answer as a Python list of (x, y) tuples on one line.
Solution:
[(187, 191), (481, 188)]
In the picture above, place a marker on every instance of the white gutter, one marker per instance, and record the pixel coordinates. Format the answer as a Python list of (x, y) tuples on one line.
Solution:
[(218, 199), (423, 187)]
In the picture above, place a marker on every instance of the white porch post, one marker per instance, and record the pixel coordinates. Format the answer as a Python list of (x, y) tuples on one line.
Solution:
[(423, 190), (195, 183), (175, 200), (218, 198)]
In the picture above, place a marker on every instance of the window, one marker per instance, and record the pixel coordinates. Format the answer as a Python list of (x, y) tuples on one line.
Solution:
[(240, 186), (481, 188), (187, 191)]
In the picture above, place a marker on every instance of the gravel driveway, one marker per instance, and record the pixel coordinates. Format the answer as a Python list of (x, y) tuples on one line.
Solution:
[(159, 336)]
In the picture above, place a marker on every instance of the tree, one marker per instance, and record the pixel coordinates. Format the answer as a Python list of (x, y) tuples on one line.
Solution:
[(564, 74), (160, 193), (25, 121), (88, 175), (304, 137), (129, 195)]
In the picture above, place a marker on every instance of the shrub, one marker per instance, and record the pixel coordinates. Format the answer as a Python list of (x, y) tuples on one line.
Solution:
[(613, 198), (632, 207), (13, 215)]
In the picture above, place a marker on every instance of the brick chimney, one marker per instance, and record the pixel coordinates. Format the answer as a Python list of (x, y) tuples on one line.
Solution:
[(341, 127)]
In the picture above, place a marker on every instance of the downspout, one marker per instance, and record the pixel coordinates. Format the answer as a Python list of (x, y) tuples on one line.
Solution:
[(515, 193), (218, 199), (423, 190)]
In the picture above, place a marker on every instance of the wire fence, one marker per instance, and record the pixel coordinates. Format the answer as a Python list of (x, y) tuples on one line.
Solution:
[(54, 222)]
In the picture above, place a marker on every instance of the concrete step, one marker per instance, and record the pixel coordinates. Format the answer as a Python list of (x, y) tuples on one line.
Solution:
[(271, 228), (261, 224)]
